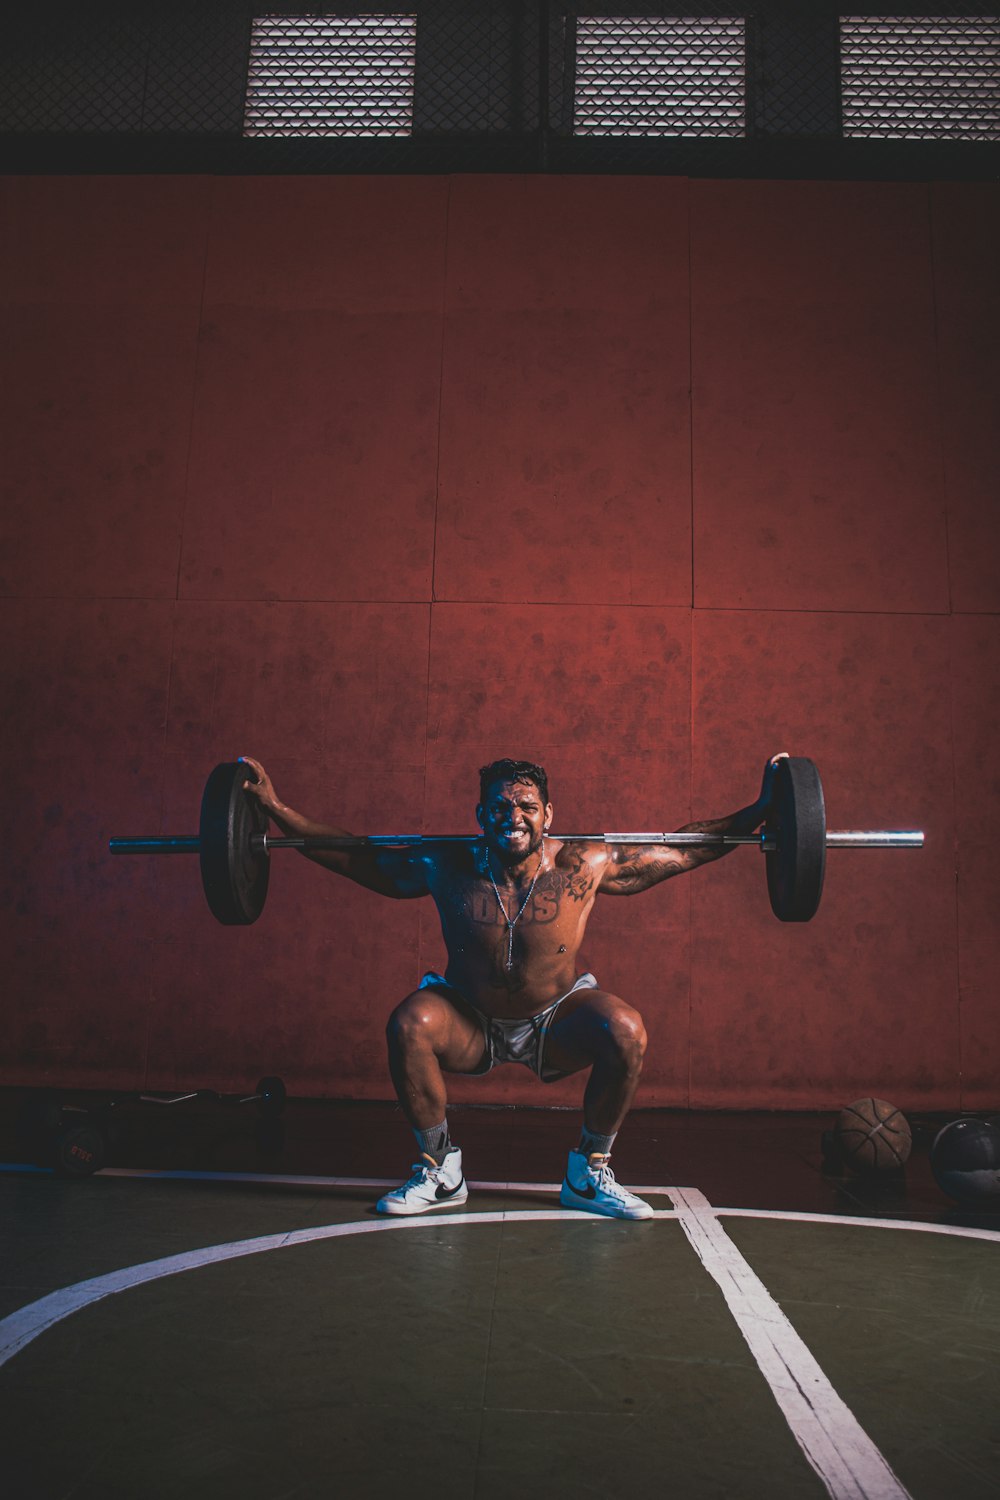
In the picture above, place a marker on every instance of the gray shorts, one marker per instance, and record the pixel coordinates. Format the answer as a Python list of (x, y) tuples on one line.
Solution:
[(520, 1041)]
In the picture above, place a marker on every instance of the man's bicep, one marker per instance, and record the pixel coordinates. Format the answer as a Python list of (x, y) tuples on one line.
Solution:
[(401, 873), (390, 872)]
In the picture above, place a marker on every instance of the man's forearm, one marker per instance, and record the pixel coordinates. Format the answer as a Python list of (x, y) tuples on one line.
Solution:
[(635, 868), (296, 825), (379, 871)]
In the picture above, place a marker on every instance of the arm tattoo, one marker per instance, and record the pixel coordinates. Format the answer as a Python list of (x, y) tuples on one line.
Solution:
[(637, 870)]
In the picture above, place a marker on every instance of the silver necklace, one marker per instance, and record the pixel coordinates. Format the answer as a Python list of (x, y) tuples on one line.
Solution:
[(511, 921)]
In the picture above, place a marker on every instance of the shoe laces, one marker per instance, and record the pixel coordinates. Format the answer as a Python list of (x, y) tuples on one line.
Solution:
[(423, 1170), (598, 1166)]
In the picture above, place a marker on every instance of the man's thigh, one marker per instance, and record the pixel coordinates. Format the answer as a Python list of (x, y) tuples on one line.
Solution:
[(457, 1031), (583, 1029)]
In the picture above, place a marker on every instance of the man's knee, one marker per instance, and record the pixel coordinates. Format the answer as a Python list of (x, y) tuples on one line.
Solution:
[(415, 1023), (626, 1036)]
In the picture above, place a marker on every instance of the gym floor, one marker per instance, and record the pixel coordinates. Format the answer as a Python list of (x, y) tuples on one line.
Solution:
[(220, 1312)]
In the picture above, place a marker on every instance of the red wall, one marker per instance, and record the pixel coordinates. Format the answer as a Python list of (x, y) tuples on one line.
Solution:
[(379, 478)]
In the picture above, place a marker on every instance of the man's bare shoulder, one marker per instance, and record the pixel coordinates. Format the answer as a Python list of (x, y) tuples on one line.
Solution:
[(575, 868), (576, 855)]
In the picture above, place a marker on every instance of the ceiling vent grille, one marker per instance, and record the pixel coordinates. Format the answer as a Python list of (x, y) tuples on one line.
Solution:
[(919, 78), (331, 76), (659, 76)]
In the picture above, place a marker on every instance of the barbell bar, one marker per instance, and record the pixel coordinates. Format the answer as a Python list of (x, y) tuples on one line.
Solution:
[(234, 846), (845, 838)]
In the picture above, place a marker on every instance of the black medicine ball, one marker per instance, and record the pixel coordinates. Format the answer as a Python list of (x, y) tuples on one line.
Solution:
[(965, 1160)]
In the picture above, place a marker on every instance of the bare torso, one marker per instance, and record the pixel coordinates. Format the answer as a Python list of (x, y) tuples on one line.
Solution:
[(547, 935)]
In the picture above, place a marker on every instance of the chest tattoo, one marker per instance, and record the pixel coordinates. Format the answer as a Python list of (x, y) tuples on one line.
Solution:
[(552, 888)]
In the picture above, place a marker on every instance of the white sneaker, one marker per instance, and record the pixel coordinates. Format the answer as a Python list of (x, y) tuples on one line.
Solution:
[(590, 1185), (431, 1186)]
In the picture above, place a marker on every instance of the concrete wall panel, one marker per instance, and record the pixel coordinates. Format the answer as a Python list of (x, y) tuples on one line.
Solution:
[(817, 474), (313, 456), (564, 424)]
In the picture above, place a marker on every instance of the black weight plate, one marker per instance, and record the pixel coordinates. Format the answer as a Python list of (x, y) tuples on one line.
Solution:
[(271, 1095), (80, 1149), (797, 824), (234, 875)]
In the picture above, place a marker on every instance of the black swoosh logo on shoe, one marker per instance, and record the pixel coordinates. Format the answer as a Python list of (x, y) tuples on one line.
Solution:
[(442, 1192), (588, 1192)]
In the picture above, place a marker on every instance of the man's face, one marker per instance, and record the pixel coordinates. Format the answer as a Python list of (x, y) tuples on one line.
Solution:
[(514, 819)]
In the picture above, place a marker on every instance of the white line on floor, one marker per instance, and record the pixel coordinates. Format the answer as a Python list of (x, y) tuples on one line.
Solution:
[(827, 1431), (961, 1231), (19, 1328)]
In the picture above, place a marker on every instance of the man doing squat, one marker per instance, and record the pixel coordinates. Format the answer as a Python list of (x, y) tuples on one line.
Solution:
[(514, 906)]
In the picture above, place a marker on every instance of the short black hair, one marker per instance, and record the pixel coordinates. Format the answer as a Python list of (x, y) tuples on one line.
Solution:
[(513, 770)]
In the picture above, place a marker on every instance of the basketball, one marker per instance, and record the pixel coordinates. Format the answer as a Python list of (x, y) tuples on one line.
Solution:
[(873, 1136), (965, 1160)]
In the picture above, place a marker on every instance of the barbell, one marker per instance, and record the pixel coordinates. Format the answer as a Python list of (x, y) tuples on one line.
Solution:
[(234, 846), (76, 1138)]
